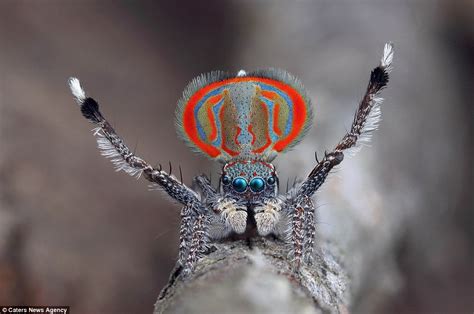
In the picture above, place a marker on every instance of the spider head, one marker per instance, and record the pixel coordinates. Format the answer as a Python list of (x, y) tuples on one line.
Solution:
[(249, 180)]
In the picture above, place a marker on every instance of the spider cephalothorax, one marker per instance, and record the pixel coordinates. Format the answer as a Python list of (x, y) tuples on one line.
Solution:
[(243, 121)]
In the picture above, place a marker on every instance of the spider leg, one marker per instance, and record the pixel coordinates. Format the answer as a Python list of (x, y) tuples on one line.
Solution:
[(185, 233), (112, 146), (310, 231), (298, 199), (198, 241), (193, 231), (365, 121), (302, 231), (193, 239), (208, 192)]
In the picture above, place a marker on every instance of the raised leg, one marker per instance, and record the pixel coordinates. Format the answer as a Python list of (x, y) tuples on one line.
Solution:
[(193, 233), (366, 120), (113, 147)]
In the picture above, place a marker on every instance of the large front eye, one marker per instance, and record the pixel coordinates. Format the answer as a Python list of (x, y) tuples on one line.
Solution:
[(239, 184), (257, 185)]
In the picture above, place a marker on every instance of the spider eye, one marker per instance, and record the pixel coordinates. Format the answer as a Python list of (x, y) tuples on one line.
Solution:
[(257, 184), (226, 180), (271, 180), (239, 184)]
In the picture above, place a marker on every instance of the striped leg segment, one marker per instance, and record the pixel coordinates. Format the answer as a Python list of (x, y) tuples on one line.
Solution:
[(198, 246), (297, 235), (185, 235), (302, 233), (309, 230)]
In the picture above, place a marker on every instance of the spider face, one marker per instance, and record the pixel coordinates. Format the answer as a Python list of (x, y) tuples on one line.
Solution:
[(251, 180)]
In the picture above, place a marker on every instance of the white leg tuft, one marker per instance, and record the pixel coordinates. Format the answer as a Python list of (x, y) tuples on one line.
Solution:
[(241, 73), (387, 58), (77, 90)]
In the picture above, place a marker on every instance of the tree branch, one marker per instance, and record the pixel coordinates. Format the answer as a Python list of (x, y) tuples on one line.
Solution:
[(255, 276)]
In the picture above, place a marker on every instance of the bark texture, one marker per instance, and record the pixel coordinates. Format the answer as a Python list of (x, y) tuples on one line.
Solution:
[(255, 276)]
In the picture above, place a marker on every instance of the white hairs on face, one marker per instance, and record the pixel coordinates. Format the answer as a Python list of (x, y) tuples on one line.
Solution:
[(76, 90)]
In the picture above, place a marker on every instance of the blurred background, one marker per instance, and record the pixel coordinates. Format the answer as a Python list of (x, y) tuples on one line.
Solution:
[(74, 232)]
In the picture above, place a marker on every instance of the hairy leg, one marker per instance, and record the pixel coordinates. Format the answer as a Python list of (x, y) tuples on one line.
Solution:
[(297, 235), (365, 121), (112, 146), (309, 231), (193, 232), (185, 233), (301, 232), (199, 240)]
